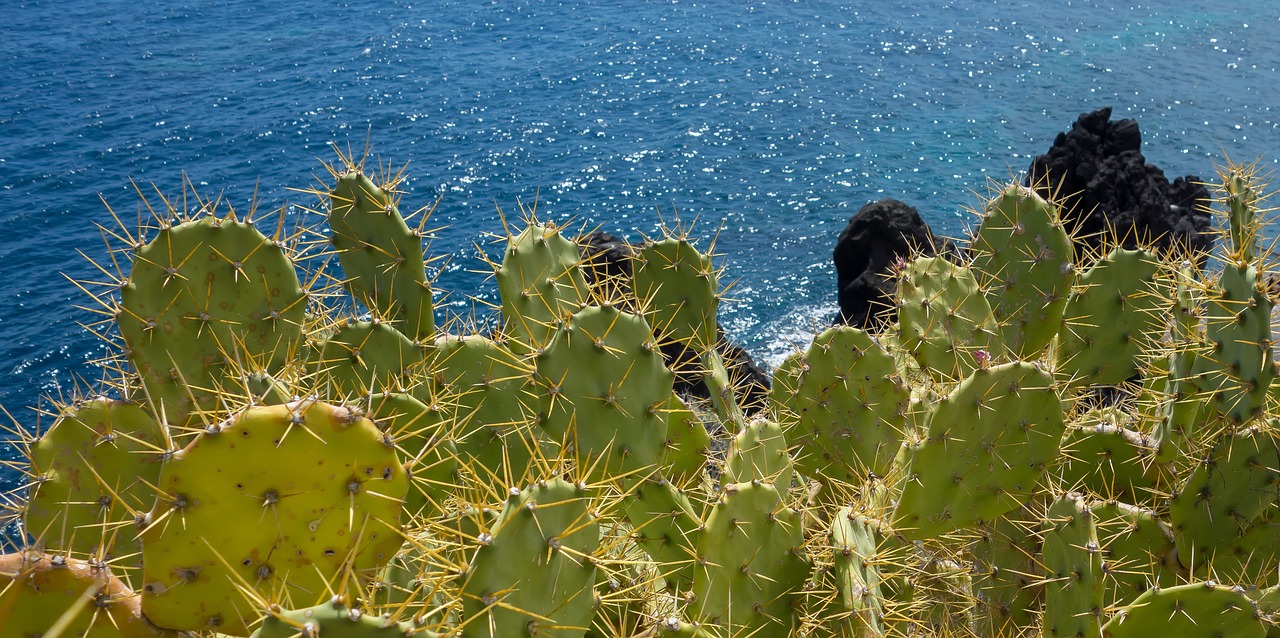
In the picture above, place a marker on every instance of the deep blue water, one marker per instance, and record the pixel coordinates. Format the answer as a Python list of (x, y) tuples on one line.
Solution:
[(776, 120)]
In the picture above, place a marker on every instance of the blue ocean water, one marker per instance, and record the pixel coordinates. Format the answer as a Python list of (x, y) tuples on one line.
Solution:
[(769, 122)]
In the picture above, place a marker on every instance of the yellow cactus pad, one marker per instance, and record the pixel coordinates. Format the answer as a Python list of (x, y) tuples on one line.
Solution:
[(277, 500)]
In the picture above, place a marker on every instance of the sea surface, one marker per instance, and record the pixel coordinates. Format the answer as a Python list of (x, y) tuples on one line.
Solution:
[(763, 124)]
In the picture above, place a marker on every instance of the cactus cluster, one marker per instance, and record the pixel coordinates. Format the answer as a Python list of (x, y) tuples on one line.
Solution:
[(289, 443)]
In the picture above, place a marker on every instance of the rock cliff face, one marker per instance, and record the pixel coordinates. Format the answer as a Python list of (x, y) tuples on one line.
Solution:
[(877, 234), (1110, 193)]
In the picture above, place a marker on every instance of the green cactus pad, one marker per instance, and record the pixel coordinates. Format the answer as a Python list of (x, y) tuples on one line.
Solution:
[(986, 447), (264, 389), (1112, 318), (380, 255), (1239, 193), (943, 317), (277, 496), (93, 470), (541, 284), (363, 357), (490, 394), (1235, 485), (334, 619), (1024, 259), (604, 391), (533, 572), (759, 453), (1008, 580), (1103, 457), (423, 435), (687, 447), (666, 526), (200, 294), (1169, 385), (855, 565), (1188, 611), (786, 382), (749, 569), (1137, 551), (677, 287), (1236, 367), (850, 408), (38, 590), (1074, 582)]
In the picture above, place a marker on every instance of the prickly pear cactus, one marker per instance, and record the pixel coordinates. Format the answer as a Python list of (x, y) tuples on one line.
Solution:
[(490, 396), (666, 525), (1195, 609), (423, 435), (1112, 318), (381, 256), (759, 453), (750, 567), (847, 410), (334, 619), (361, 357), (279, 495), (1228, 492), (677, 287), (604, 391), (1235, 367), (1008, 579), (944, 319), (1025, 260), (202, 293), (39, 592), (541, 284), (985, 448), (92, 473), (1073, 596), (856, 571), (688, 445), (532, 573), (1102, 456), (1137, 551)]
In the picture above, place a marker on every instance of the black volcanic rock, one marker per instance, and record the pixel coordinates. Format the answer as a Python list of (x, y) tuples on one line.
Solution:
[(1110, 194), (607, 266), (877, 235)]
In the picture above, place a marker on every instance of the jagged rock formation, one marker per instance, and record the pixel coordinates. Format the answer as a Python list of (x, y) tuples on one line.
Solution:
[(1110, 193)]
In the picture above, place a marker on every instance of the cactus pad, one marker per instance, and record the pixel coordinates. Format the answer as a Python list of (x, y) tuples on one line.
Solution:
[(200, 294), (1112, 317), (604, 391), (94, 468), (1188, 611), (749, 569), (943, 317), (1024, 259), (38, 590), (380, 255), (362, 357), (849, 407), (986, 447), (276, 496), (1235, 485), (541, 284), (533, 572), (1072, 557)]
